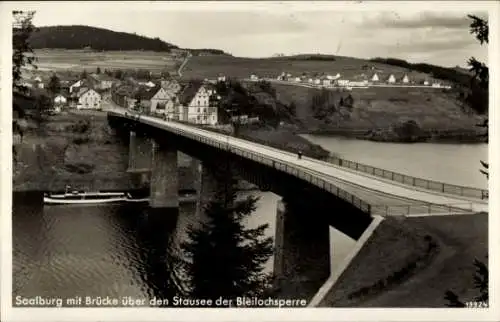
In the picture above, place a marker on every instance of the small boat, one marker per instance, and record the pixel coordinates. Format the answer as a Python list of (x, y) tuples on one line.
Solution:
[(80, 197), (130, 198)]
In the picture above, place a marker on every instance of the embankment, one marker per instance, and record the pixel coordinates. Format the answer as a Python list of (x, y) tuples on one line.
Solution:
[(77, 149)]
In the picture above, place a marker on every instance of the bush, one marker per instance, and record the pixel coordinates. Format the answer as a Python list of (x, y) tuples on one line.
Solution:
[(81, 140), (82, 126), (80, 168)]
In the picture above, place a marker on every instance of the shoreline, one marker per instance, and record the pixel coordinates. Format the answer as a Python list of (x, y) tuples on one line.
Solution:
[(362, 135)]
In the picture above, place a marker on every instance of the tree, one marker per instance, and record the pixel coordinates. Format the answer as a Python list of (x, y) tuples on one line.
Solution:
[(22, 54), (225, 259), (84, 74), (54, 85), (292, 108), (479, 88), (478, 97), (98, 70)]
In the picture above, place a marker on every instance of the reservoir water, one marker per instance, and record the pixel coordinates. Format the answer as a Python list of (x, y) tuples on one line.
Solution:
[(68, 251)]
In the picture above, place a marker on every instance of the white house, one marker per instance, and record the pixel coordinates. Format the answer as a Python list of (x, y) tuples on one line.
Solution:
[(317, 81), (150, 84), (221, 78), (426, 82), (88, 99), (310, 80), (161, 100), (405, 79), (60, 100), (297, 79), (391, 79), (375, 78), (326, 82), (254, 77), (102, 81), (342, 82), (198, 104), (75, 86), (437, 85)]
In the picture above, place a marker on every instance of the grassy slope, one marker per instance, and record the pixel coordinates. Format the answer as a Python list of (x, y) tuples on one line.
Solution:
[(380, 107), (43, 159), (395, 245), (211, 66), (373, 108)]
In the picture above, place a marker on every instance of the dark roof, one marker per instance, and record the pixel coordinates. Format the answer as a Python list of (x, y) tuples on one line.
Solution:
[(147, 93), (189, 92)]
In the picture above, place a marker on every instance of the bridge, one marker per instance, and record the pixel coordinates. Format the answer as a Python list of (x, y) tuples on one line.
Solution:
[(316, 194)]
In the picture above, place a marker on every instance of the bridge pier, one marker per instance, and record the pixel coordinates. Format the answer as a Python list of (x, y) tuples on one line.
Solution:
[(164, 186), (139, 159), (302, 247), (207, 185)]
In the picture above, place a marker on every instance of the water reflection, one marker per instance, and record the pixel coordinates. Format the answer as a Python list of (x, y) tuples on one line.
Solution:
[(69, 251)]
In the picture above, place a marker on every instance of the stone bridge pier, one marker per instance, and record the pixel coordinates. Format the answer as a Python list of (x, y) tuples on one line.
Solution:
[(302, 248), (164, 185), (139, 158)]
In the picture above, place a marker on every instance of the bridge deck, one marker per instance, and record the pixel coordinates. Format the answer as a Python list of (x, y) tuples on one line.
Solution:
[(376, 192)]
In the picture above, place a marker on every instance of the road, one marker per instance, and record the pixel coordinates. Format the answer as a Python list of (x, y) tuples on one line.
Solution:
[(367, 188)]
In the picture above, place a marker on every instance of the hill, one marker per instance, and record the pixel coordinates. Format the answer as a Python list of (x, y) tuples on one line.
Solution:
[(237, 67), (378, 108), (80, 37), (100, 39)]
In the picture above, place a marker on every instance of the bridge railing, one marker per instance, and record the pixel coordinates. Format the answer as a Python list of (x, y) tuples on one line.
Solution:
[(412, 181), (306, 175), (421, 209), (281, 166)]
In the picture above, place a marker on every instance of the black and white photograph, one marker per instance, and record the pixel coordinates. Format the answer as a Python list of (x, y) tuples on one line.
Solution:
[(258, 159)]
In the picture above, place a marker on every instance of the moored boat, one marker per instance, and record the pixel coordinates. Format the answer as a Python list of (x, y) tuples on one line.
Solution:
[(81, 197)]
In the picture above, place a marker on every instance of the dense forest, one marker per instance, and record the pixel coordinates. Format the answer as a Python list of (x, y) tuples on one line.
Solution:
[(79, 37)]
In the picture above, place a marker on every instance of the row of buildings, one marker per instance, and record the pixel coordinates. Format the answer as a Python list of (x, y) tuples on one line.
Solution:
[(362, 80), (193, 101), (190, 101)]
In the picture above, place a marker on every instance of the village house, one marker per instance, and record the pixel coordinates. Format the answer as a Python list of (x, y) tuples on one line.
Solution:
[(158, 100), (391, 79), (405, 79), (297, 79), (342, 82), (254, 77), (101, 81), (172, 86), (82, 83), (375, 78), (317, 81), (221, 78), (198, 104), (88, 99), (60, 100)]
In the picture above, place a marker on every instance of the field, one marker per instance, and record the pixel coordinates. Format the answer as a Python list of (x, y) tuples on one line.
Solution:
[(210, 66), (77, 60)]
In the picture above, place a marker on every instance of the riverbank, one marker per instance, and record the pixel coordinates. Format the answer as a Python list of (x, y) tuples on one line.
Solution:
[(75, 148)]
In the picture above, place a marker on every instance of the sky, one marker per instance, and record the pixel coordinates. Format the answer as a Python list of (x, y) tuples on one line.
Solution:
[(427, 32)]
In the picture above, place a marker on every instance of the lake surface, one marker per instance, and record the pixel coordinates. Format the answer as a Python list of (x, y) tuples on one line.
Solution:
[(124, 250), (449, 163)]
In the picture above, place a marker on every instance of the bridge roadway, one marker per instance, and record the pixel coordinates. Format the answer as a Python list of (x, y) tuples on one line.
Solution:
[(386, 198)]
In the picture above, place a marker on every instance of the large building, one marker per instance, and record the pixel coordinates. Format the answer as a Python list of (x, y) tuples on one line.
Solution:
[(198, 104)]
